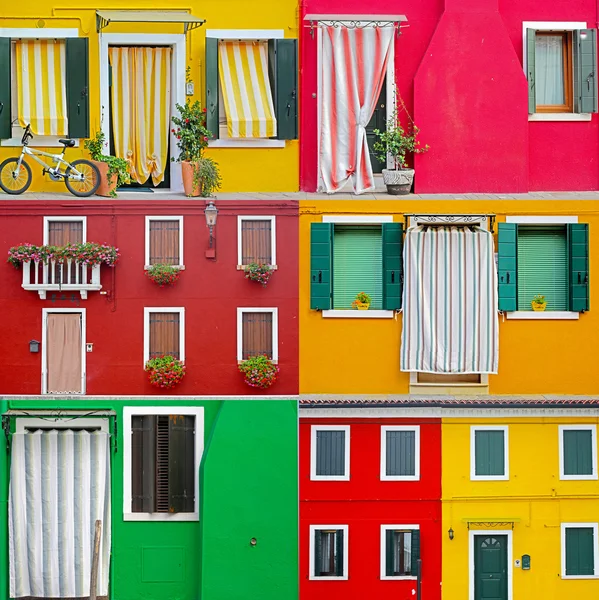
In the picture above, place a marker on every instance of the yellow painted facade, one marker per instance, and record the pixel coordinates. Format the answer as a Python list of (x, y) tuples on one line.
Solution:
[(242, 169), (534, 498), (361, 356)]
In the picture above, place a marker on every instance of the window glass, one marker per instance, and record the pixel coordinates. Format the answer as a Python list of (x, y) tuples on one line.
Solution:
[(549, 54), (328, 553)]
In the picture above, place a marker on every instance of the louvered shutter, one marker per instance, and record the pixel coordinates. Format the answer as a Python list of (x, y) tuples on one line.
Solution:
[(415, 551), (507, 234), (77, 84), (317, 551), (164, 334), (256, 334), (389, 552), (489, 453), (283, 76), (401, 453), (320, 265), (212, 86), (339, 554), (181, 463), (5, 89), (392, 265), (585, 70), (256, 241), (578, 250), (143, 463), (164, 242), (530, 70), (578, 452), (580, 551)]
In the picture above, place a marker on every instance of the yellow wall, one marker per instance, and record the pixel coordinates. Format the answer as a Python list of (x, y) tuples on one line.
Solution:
[(534, 495), (361, 356), (247, 170)]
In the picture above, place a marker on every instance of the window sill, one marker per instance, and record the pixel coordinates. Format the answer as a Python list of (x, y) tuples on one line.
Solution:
[(40, 141), (563, 315), (453, 389), (244, 267), (400, 478), (560, 117), (490, 478), (399, 578), (578, 477), (580, 576), (358, 314), (328, 578), (180, 267), (230, 143), (161, 517), (329, 478)]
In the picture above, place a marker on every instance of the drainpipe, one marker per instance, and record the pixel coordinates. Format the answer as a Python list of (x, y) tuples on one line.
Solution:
[(4, 477), (419, 580)]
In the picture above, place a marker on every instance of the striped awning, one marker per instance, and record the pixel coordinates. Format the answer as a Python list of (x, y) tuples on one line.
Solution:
[(245, 85)]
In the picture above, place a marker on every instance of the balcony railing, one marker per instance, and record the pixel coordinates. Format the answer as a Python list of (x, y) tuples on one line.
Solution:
[(70, 276)]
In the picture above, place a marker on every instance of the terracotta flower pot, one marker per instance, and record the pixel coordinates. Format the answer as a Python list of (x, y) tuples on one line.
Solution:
[(106, 187), (187, 170)]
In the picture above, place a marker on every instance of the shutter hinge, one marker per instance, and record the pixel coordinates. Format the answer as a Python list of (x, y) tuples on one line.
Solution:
[(6, 429)]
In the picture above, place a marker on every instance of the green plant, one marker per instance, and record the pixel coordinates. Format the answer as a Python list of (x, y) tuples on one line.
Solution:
[(116, 166), (259, 371), (207, 174), (191, 133), (259, 273), (88, 253), (163, 274), (539, 299), (361, 298), (165, 371)]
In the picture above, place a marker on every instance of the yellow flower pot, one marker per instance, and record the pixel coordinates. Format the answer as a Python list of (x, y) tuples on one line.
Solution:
[(362, 305), (538, 307)]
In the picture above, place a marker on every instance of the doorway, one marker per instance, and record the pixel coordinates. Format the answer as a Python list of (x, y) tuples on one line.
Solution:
[(378, 121), (490, 567)]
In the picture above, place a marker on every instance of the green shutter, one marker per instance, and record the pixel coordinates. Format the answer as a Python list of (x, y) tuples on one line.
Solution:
[(339, 556), (578, 246), (389, 551), (392, 265), (489, 453), (578, 451), (585, 70), (357, 265), (77, 80), (212, 86), (415, 551), (580, 551), (507, 234), (5, 89), (283, 74), (542, 266), (320, 265), (317, 551), (181, 463), (531, 35)]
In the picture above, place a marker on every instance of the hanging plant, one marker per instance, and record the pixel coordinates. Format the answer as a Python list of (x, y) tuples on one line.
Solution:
[(163, 274), (259, 273), (165, 371), (259, 371), (89, 253)]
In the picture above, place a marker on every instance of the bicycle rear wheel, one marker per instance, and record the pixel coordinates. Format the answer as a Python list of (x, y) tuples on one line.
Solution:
[(12, 179), (88, 184)]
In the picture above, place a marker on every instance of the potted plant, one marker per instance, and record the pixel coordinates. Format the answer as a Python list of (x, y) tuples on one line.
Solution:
[(165, 371), (362, 301), (259, 273), (259, 371), (88, 253), (539, 303), (397, 142), (200, 175), (163, 274), (114, 172)]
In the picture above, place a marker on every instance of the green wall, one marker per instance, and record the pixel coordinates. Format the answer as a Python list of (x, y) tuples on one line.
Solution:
[(248, 488)]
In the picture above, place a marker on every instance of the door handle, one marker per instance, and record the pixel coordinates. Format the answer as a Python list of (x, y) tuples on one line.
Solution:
[(392, 276)]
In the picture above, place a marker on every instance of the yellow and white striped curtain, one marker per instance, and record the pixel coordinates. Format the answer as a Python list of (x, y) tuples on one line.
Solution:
[(243, 68), (41, 86), (141, 99)]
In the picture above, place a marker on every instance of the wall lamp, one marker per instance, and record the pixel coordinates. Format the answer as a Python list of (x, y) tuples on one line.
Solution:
[(211, 213), (34, 346), (450, 533)]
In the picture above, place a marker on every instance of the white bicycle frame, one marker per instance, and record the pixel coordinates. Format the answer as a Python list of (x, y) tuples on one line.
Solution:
[(57, 158)]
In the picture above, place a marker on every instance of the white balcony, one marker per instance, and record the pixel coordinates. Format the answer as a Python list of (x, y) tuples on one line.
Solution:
[(71, 276)]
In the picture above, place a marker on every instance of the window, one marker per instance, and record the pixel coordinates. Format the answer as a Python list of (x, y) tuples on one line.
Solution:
[(257, 333), (256, 240), (578, 451), (356, 254), (162, 452), (489, 453), (328, 551), (400, 551), (543, 256), (330, 453), (164, 332), (164, 241), (580, 551), (60, 106), (60, 231), (400, 453)]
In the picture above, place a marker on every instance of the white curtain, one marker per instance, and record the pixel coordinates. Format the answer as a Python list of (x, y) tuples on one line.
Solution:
[(549, 69), (59, 486), (354, 66)]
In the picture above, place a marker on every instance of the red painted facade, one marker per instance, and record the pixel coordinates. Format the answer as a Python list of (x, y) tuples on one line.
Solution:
[(364, 503), (458, 67), (209, 290)]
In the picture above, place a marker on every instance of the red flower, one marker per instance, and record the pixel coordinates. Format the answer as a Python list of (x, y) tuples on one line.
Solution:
[(203, 110)]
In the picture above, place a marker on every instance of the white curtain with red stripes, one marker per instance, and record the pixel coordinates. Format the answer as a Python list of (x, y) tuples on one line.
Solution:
[(353, 70)]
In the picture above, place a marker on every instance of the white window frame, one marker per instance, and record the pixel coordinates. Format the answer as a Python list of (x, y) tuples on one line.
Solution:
[(557, 315), (148, 310), (64, 422), (246, 34), (559, 26), (593, 475), (595, 527), (383, 560), (509, 558), (149, 219), (275, 329), (506, 453), (48, 220), (273, 238), (416, 430), (130, 411), (313, 530), (313, 446)]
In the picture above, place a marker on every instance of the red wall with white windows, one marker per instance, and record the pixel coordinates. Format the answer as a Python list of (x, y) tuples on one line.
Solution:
[(210, 291), (364, 503), (459, 70)]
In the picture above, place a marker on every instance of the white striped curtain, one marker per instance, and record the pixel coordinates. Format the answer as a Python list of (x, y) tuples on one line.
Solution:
[(354, 66), (59, 486), (450, 322), (41, 86)]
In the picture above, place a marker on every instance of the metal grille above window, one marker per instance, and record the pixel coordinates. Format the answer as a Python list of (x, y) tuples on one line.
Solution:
[(256, 241)]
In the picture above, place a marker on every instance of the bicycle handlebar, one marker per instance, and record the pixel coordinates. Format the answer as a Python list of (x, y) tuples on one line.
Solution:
[(27, 135)]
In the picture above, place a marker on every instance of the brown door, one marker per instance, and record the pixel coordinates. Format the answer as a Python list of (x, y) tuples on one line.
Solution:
[(63, 353)]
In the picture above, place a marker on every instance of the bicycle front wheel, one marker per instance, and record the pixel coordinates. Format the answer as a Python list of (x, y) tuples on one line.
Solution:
[(87, 182), (14, 179)]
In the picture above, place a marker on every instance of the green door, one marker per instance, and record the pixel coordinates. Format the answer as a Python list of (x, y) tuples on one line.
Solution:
[(490, 567), (377, 122)]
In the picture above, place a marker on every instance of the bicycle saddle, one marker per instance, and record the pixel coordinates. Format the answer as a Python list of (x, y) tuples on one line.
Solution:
[(67, 143)]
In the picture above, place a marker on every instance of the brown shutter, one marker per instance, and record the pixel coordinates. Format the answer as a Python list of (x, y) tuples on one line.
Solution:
[(164, 334), (61, 233), (257, 334), (164, 242), (256, 246)]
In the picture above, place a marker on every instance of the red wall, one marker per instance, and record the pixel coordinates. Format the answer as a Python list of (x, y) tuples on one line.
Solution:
[(210, 291), (364, 503)]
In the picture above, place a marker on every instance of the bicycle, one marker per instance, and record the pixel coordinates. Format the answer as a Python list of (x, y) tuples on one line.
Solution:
[(81, 177)]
